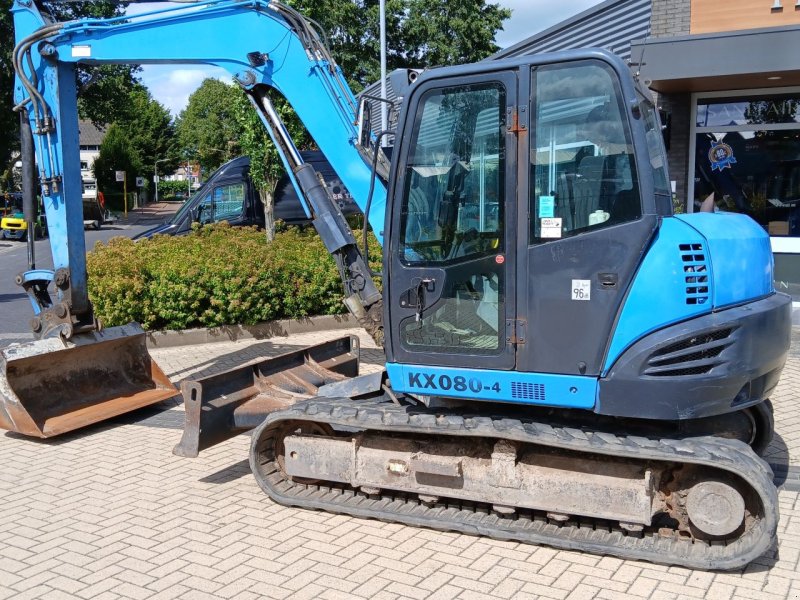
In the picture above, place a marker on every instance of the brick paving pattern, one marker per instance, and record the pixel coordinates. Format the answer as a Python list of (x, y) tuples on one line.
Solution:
[(110, 513)]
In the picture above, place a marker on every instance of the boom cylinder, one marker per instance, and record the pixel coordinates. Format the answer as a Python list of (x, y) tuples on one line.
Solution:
[(28, 183)]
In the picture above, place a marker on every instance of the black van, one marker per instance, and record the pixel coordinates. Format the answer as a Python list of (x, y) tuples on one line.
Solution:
[(229, 195)]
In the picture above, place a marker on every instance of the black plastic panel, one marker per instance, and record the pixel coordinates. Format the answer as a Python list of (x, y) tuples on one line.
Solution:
[(570, 336)]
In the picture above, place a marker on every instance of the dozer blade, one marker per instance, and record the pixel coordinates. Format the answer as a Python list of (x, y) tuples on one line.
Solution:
[(223, 405), (51, 386)]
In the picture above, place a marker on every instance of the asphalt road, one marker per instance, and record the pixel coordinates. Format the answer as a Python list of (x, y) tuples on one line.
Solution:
[(15, 308)]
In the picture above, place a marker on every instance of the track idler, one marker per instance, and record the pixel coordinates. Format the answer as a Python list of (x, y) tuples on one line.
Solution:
[(52, 386)]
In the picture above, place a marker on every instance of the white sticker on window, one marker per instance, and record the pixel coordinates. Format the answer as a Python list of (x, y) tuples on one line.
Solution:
[(581, 289), (81, 51), (551, 227)]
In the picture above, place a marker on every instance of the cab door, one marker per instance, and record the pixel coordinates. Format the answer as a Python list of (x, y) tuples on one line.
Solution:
[(451, 279), (587, 227)]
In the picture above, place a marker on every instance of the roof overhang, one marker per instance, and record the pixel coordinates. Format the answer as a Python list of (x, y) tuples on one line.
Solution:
[(754, 58)]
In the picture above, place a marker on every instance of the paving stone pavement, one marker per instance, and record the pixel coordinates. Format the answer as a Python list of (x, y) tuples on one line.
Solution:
[(111, 513)]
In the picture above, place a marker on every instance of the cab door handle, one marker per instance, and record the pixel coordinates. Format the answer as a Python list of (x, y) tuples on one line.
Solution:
[(608, 281)]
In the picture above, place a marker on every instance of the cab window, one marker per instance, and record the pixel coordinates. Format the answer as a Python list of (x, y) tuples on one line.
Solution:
[(452, 207), (583, 171), (228, 202)]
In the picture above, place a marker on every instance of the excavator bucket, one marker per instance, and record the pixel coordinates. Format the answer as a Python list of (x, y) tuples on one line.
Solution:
[(221, 406), (52, 386)]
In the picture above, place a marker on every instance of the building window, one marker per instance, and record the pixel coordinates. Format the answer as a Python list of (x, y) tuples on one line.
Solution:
[(747, 153)]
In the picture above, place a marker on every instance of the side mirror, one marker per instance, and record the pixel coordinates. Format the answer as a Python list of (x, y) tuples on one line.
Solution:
[(666, 126), (364, 123)]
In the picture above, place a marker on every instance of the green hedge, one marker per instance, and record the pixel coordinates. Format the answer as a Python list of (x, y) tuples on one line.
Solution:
[(218, 275), (169, 190)]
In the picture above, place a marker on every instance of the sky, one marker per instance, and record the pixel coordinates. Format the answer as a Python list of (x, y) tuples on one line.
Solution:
[(172, 85)]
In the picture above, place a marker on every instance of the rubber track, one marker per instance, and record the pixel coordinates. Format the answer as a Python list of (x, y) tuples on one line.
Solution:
[(582, 534)]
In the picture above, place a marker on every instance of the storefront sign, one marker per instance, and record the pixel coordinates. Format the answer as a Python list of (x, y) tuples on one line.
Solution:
[(720, 156)]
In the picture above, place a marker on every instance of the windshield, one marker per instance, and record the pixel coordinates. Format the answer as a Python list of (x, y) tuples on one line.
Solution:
[(11, 202), (187, 205)]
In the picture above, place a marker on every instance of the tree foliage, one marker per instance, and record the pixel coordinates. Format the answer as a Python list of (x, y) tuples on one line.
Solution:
[(142, 134), (103, 92), (420, 33), (207, 128), (151, 133), (266, 167), (97, 86), (9, 121), (116, 154)]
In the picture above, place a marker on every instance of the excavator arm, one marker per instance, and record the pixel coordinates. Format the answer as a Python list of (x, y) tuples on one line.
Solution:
[(100, 372), (262, 45)]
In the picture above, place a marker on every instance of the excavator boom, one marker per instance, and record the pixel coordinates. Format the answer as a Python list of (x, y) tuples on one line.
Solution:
[(263, 45)]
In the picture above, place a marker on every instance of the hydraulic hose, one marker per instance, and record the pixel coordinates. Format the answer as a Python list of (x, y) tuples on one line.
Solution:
[(367, 207)]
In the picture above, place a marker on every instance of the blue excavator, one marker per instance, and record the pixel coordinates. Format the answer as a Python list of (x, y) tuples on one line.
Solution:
[(567, 361)]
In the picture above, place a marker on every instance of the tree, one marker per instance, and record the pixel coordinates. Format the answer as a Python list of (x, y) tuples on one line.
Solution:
[(420, 33), (150, 132), (207, 128), (142, 134), (103, 92), (9, 121), (94, 105), (116, 154), (266, 167), (423, 33)]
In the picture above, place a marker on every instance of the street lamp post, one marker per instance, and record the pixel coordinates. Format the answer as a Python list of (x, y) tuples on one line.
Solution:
[(382, 24), (155, 169)]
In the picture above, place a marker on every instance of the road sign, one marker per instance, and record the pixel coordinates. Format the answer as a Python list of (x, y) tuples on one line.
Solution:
[(140, 182), (120, 175)]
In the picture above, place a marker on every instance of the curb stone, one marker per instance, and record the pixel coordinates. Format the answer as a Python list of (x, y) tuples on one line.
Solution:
[(261, 331)]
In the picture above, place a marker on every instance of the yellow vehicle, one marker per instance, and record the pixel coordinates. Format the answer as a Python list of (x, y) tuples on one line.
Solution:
[(12, 220)]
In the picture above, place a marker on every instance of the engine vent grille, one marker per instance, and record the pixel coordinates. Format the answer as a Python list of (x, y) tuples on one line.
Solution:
[(695, 272), (695, 355), (521, 390)]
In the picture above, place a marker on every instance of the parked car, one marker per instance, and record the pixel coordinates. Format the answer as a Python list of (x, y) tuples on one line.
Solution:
[(12, 219), (229, 195)]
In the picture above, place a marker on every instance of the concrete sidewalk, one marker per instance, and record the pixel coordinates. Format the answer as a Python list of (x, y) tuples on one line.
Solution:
[(110, 513), (152, 213)]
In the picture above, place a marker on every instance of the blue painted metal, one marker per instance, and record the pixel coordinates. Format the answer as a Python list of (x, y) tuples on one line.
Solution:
[(58, 159), (740, 255), (658, 295), (736, 254), (222, 33), (541, 389)]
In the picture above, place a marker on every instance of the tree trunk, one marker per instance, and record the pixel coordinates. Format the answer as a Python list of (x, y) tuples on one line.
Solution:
[(267, 197)]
